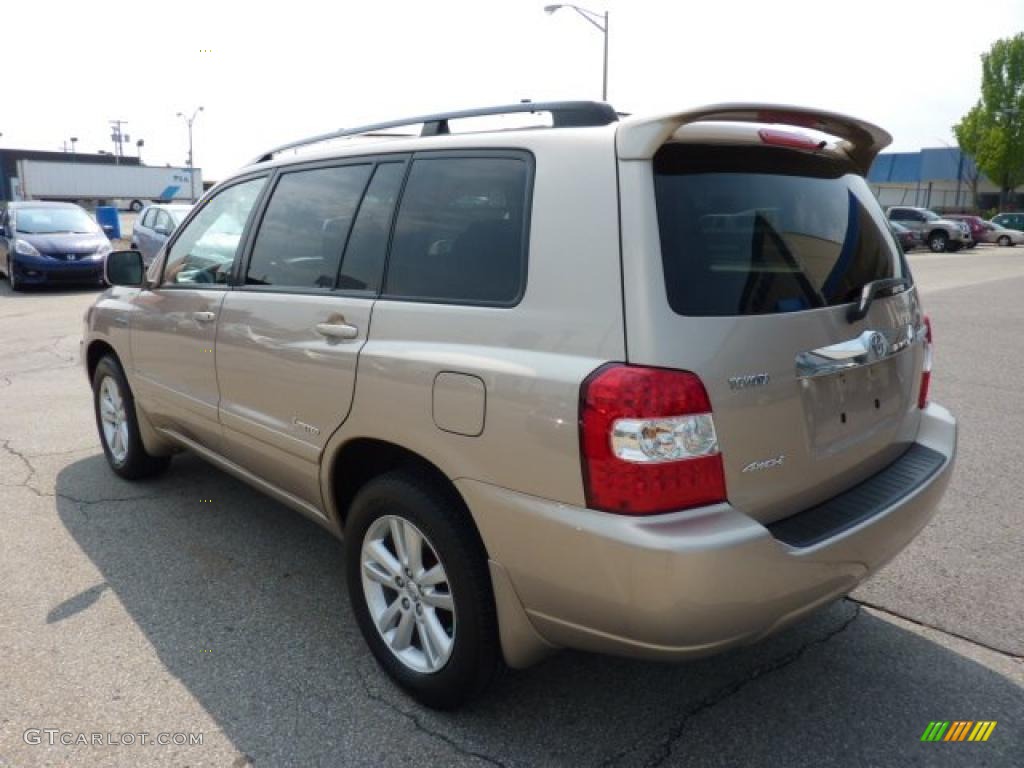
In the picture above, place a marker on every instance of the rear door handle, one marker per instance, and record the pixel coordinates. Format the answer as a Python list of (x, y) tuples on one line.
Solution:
[(337, 330), (204, 317)]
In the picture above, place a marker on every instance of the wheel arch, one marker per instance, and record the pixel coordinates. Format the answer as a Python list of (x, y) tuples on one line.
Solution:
[(361, 459), (97, 349), (151, 439)]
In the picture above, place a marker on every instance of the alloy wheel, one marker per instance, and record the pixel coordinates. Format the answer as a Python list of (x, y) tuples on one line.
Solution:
[(408, 595), (114, 420)]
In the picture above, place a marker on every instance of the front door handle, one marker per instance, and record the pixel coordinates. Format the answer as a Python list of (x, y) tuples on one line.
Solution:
[(337, 330), (204, 317)]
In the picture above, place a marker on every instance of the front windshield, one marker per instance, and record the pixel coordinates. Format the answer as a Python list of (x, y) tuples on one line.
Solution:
[(178, 214), (929, 216), (51, 221)]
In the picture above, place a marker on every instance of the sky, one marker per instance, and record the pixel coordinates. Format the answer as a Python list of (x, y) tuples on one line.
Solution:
[(269, 72)]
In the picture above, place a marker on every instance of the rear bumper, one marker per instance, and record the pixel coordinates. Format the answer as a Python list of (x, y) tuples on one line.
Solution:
[(684, 584)]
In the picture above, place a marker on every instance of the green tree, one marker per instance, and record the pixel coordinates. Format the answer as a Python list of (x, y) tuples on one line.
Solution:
[(992, 132), (970, 134)]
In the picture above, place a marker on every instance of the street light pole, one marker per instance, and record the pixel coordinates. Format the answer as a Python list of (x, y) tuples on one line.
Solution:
[(191, 169), (596, 19)]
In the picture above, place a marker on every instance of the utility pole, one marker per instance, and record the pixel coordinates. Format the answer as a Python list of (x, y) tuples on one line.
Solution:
[(74, 142), (191, 169), (118, 138)]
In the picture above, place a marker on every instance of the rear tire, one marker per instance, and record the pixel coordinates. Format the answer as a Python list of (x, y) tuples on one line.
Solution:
[(136, 206), (938, 242), (1005, 241), (118, 424), (385, 597)]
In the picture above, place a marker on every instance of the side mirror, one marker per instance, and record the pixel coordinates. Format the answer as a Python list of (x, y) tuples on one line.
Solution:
[(124, 268)]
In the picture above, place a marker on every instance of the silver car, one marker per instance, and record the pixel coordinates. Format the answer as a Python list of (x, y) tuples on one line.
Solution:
[(154, 224), (654, 386)]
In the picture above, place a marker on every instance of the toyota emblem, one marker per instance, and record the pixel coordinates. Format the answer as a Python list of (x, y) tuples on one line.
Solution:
[(878, 344)]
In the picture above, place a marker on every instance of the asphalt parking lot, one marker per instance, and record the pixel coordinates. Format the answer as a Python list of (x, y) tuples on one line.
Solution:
[(195, 605)]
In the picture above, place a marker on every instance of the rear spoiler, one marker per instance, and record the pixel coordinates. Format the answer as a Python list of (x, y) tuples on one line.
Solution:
[(639, 138)]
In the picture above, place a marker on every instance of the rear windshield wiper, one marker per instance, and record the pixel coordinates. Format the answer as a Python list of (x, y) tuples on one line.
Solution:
[(870, 290)]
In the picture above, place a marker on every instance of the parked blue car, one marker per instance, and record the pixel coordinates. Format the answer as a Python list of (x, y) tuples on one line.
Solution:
[(50, 243)]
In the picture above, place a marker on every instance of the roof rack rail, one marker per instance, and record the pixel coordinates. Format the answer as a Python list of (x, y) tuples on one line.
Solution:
[(564, 114)]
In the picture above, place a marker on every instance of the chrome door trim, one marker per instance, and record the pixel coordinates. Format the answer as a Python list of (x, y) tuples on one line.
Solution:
[(868, 348)]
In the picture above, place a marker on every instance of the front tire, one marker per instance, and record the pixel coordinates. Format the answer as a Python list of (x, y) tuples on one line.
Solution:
[(118, 424), (12, 274), (938, 242), (136, 206), (420, 588)]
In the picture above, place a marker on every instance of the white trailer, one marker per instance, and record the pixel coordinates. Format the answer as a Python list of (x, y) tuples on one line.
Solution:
[(126, 186)]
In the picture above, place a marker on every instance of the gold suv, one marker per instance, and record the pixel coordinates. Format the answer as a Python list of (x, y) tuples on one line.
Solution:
[(653, 386)]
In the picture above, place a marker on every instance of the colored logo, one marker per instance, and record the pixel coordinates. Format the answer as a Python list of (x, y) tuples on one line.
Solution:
[(958, 730)]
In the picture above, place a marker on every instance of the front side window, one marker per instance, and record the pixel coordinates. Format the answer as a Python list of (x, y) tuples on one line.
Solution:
[(305, 228), (203, 253), (149, 218), (459, 234)]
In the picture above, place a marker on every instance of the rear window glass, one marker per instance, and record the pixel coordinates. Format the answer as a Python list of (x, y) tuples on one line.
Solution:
[(750, 231)]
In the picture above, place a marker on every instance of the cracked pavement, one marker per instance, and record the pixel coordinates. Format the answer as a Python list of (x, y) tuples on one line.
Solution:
[(138, 608)]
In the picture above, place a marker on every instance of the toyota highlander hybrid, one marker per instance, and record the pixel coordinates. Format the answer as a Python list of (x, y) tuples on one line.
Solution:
[(649, 386)]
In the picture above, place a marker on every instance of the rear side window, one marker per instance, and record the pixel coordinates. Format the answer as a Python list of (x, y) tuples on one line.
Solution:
[(762, 231), (363, 265), (459, 235), (305, 227)]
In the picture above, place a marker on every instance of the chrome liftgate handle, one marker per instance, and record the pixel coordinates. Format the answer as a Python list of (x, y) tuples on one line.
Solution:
[(868, 348)]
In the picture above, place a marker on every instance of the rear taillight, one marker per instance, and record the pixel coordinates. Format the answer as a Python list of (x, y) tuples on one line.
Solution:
[(926, 370), (647, 441)]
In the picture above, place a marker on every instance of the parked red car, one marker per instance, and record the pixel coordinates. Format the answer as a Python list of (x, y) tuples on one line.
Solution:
[(977, 224)]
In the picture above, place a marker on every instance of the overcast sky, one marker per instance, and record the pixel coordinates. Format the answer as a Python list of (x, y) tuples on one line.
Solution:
[(283, 70)]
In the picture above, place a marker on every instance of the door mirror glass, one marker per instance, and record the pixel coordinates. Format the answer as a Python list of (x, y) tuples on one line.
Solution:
[(123, 268)]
